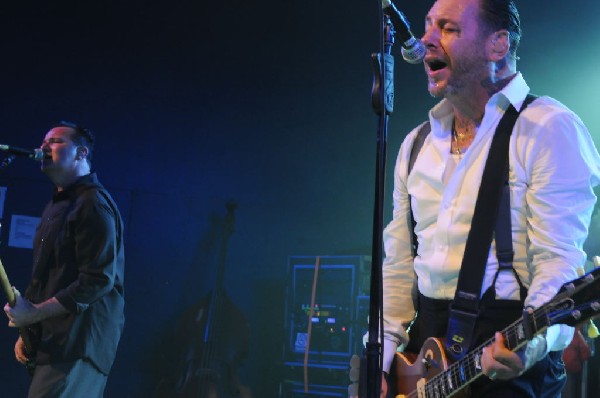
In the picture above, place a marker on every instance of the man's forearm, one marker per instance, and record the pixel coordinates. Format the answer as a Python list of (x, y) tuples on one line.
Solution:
[(49, 309)]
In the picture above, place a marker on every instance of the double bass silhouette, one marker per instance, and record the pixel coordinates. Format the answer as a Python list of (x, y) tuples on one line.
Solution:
[(216, 340)]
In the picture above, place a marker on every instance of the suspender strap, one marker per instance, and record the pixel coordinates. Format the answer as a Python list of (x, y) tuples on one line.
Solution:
[(464, 309), (414, 152), (414, 246), (503, 231)]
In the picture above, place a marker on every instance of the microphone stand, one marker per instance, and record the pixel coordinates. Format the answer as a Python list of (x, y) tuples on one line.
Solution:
[(382, 101)]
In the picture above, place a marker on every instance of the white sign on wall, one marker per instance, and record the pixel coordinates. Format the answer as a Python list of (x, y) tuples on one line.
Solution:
[(22, 230)]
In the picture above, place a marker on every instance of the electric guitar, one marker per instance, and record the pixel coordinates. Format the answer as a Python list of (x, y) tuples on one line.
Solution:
[(430, 373), (25, 332)]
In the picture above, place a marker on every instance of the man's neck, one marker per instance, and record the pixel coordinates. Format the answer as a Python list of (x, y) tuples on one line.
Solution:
[(66, 181), (469, 105)]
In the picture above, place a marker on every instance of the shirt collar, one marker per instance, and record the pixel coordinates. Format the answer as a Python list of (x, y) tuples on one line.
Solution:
[(515, 91), (73, 189)]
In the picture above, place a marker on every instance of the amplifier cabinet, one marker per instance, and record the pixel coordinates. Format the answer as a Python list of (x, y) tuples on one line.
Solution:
[(339, 281)]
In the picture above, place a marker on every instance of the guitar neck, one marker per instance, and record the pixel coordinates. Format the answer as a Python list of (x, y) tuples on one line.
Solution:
[(6, 286), (11, 298)]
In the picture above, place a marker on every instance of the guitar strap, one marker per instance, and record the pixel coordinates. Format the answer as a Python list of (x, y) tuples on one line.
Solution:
[(423, 132), (490, 213)]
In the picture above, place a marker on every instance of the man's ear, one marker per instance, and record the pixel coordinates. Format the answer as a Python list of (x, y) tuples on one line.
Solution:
[(498, 45), (82, 152)]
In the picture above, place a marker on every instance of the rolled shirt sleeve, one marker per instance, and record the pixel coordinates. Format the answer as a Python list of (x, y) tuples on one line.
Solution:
[(94, 229)]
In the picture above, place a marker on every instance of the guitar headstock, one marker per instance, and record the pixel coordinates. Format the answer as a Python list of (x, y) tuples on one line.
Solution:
[(576, 301)]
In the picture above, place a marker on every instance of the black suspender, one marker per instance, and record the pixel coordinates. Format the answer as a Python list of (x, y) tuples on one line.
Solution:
[(490, 213), (414, 152)]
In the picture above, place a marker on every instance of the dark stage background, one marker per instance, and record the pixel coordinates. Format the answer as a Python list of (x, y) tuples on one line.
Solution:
[(195, 103)]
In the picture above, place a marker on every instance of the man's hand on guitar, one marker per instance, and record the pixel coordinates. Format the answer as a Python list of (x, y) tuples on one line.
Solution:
[(23, 313), (498, 362), (20, 352)]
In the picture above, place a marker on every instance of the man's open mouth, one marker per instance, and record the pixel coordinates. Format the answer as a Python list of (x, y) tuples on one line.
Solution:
[(435, 65)]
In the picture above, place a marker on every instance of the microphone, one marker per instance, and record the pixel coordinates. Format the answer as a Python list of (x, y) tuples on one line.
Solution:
[(413, 50), (35, 154)]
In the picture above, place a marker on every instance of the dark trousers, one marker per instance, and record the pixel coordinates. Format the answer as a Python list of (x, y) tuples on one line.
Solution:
[(67, 380), (545, 379)]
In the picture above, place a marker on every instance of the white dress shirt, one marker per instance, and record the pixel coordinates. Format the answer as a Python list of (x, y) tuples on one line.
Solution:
[(553, 167)]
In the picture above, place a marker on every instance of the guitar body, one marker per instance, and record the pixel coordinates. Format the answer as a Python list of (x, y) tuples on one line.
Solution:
[(409, 370), (213, 340), (210, 368)]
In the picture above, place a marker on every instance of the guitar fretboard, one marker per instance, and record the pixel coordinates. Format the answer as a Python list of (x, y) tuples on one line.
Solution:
[(466, 370)]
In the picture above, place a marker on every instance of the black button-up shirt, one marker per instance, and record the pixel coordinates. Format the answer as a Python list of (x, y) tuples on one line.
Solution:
[(79, 259)]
